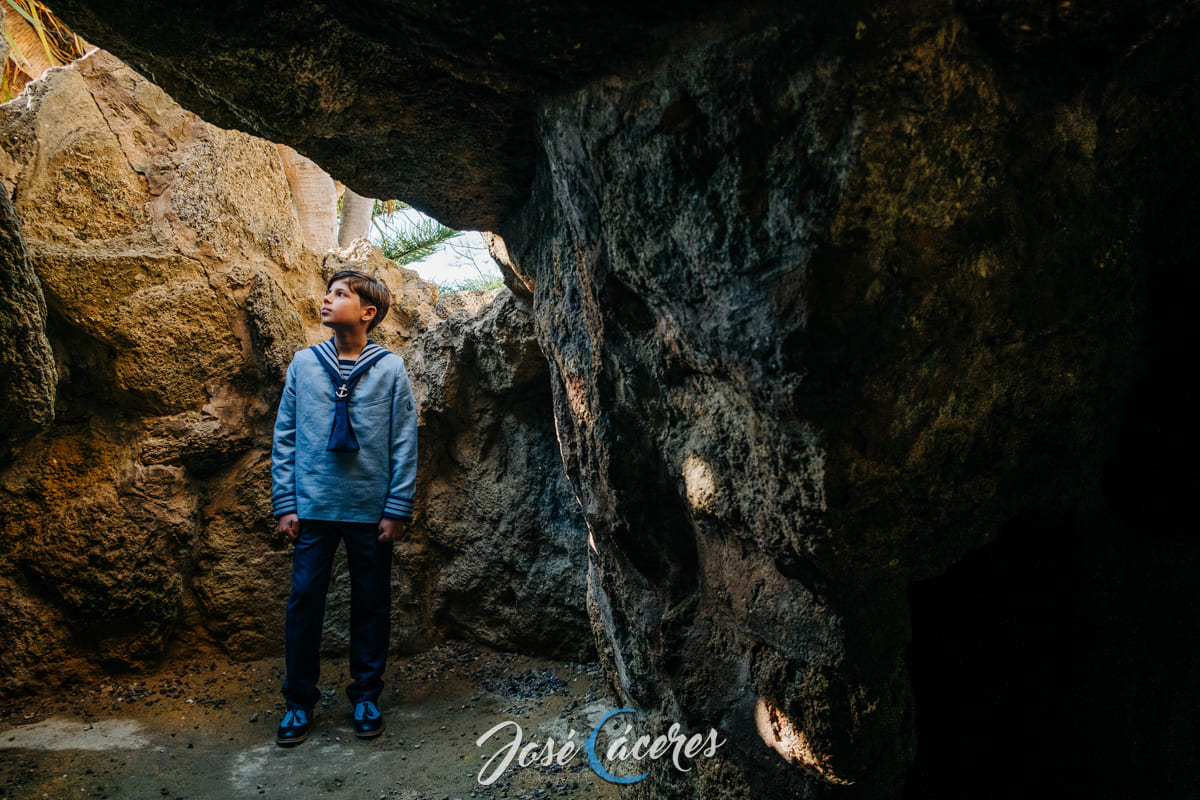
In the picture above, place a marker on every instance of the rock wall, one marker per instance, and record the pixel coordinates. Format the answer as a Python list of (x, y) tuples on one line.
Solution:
[(820, 332), (851, 309), (836, 299), (177, 289), (27, 364)]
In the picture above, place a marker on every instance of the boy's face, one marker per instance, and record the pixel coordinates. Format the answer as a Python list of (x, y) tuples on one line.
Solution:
[(342, 308)]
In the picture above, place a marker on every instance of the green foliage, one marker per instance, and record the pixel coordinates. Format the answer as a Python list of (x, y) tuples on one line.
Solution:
[(404, 238), (415, 243), (485, 282), (407, 236)]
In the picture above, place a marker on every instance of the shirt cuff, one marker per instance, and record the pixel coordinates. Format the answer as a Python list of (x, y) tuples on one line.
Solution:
[(398, 508), (284, 504)]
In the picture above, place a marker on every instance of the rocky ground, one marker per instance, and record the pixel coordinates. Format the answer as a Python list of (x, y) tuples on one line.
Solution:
[(204, 729)]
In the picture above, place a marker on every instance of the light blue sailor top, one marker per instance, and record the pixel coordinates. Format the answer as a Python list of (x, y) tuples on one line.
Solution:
[(379, 478)]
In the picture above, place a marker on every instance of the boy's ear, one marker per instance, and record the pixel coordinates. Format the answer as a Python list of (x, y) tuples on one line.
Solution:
[(369, 313)]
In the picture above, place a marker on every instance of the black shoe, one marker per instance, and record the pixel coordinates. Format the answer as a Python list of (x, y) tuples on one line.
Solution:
[(368, 722), (293, 728)]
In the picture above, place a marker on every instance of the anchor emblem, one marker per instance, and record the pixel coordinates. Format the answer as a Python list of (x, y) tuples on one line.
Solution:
[(341, 393)]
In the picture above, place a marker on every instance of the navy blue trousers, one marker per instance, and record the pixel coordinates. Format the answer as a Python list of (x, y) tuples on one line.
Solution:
[(370, 609)]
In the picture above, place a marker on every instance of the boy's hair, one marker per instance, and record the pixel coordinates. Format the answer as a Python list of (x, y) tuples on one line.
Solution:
[(370, 290)]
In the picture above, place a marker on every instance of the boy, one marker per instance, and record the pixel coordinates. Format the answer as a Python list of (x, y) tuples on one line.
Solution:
[(343, 468)]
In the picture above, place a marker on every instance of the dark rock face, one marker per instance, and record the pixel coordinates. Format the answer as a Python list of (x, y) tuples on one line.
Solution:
[(478, 65), (27, 371), (829, 301), (683, 395), (502, 552), (817, 330)]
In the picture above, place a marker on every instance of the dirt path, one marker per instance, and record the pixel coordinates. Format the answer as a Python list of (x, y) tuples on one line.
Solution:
[(204, 730)]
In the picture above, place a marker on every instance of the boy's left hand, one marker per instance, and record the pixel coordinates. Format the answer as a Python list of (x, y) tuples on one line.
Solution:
[(391, 529)]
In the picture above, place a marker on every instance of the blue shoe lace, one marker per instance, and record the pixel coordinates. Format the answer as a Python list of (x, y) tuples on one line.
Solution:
[(365, 710), (294, 717)]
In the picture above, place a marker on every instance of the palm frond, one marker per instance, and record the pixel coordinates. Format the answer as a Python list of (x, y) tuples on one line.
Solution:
[(405, 240)]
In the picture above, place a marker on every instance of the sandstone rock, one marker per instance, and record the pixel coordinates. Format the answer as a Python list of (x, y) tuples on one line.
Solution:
[(108, 560), (141, 253), (242, 573), (37, 642), (142, 517), (167, 303), (275, 328), (470, 301)]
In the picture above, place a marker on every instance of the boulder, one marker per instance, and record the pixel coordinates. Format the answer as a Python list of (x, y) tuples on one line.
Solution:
[(505, 553)]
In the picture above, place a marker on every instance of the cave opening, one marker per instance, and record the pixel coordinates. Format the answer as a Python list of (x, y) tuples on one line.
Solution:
[(456, 260)]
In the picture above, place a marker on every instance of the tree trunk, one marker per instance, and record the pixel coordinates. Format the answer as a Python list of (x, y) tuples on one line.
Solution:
[(356, 217), (314, 197)]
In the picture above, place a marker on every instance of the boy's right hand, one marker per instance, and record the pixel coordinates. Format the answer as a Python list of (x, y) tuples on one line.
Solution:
[(289, 526)]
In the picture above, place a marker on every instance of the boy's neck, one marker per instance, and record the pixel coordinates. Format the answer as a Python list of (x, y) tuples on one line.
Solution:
[(350, 343)]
